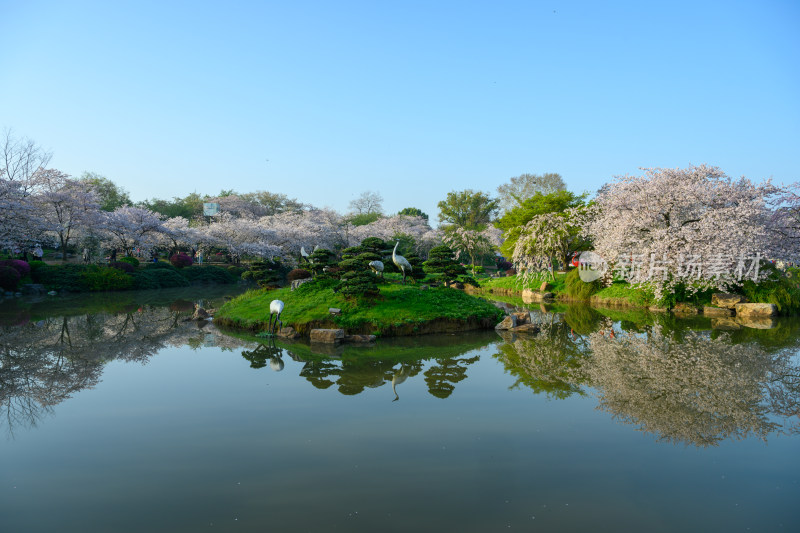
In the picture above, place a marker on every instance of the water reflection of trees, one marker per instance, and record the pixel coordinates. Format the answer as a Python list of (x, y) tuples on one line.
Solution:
[(550, 361), (682, 385), (44, 363), (354, 376), (693, 388)]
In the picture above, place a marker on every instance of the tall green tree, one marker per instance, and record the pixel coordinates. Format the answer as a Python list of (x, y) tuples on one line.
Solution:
[(467, 209), (413, 212), (512, 221), (109, 195)]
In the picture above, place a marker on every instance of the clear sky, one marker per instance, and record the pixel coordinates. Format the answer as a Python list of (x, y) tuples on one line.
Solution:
[(324, 100)]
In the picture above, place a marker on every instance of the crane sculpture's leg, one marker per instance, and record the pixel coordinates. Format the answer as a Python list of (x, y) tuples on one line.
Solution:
[(269, 324), (278, 319)]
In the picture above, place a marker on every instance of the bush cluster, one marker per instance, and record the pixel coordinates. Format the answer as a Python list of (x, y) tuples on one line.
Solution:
[(181, 260), (107, 279), (124, 266), (19, 265), (9, 277), (132, 260)]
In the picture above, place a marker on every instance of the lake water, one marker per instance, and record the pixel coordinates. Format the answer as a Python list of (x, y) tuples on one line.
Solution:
[(118, 415)]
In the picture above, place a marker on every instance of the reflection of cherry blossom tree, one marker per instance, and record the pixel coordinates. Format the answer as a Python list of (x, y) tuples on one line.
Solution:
[(694, 389), (43, 364)]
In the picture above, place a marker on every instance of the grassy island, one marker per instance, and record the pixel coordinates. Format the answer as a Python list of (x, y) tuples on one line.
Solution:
[(399, 310)]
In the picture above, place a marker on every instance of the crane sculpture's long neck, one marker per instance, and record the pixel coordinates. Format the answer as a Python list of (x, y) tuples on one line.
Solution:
[(394, 252)]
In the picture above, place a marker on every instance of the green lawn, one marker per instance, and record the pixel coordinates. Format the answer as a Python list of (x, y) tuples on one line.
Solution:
[(400, 309)]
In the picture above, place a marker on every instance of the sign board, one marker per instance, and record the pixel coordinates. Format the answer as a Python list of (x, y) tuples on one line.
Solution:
[(210, 208)]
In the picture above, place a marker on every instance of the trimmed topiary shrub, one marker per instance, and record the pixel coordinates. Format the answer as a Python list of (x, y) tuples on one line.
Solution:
[(298, 273), (19, 265), (131, 260), (236, 271), (124, 266), (9, 277), (265, 273), (357, 279), (180, 260), (511, 272), (158, 265), (504, 265), (35, 265)]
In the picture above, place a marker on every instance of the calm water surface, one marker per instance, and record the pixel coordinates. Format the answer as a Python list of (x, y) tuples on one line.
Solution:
[(118, 415)]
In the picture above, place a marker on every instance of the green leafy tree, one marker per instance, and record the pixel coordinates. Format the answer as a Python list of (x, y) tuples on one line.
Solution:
[(467, 209), (109, 195), (512, 222), (413, 212), (362, 219)]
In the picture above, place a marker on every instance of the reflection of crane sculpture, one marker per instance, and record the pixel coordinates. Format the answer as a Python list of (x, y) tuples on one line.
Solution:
[(401, 262), (397, 379), (377, 267), (275, 308)]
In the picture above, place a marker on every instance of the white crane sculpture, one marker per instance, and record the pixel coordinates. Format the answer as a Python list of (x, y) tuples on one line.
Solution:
[(401, 262), (377, 267), (275, 308)]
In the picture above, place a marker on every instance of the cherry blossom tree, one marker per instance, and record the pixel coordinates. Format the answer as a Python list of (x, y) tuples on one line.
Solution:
[(131, 227), (469, 243), (693, 226), (64, 206)]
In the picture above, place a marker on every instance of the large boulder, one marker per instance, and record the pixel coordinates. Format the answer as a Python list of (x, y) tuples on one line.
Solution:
[(296, 283), (530, 296), (508, 322), (718, 312), (288, 333), (523, 317), (684, 309), (327, 336), (749, 310), (723, 299)]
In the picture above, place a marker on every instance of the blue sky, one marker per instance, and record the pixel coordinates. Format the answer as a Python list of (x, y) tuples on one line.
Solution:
[(324, 100)]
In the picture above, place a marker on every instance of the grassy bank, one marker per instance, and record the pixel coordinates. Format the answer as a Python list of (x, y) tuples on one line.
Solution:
[(398, 310), (780, 288)]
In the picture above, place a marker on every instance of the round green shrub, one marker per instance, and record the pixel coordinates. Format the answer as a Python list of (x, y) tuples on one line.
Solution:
[(107, 279), (159, 265), (131, 260), (9, 277)]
